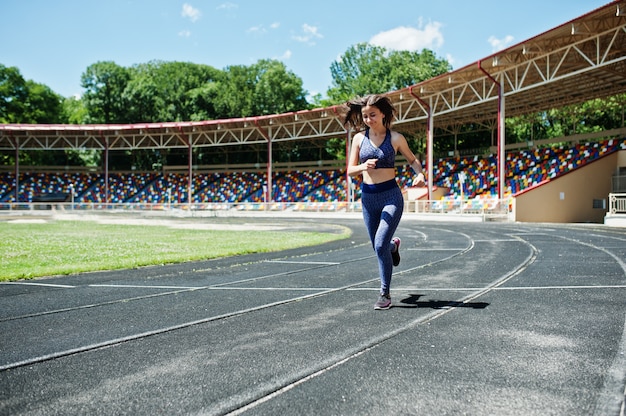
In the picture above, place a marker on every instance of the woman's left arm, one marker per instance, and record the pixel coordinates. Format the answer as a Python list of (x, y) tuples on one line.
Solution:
[(403, 147)]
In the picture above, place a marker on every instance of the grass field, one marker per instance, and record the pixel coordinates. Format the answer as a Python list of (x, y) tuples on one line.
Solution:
[(29, 250)]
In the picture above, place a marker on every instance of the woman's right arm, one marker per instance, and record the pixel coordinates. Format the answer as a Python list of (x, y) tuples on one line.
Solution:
[(353, 160), (354, 167)]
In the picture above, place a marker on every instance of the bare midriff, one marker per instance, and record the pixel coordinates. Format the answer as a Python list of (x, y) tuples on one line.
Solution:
[(379, 175)]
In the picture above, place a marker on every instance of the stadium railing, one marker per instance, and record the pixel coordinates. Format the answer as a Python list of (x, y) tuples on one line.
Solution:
[(486, 209), (617, 203)]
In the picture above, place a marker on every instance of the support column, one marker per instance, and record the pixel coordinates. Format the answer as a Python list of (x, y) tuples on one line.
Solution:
[(17, 170), (429, 140), (429, 150), (349, 197), (269, 170), (501, 143), (106, 171), (190, 172), (501, 136)]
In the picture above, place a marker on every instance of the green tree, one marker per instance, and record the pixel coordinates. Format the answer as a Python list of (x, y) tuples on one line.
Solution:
[(266, 87), (233, 93), (589, 116), (409, 68), (202, 102), (144, 103), (104, 84), (367, 69), (23, 101), (74, 111), (276, 90), (13, 94), (168, 91), (43, 106)]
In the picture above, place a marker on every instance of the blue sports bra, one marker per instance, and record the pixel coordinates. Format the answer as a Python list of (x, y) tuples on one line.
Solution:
[(385, 154)]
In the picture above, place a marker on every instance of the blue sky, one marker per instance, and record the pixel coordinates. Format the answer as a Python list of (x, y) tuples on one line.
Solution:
[(54, 41)]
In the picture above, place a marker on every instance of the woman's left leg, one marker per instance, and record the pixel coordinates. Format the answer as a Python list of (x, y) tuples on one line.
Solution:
[(389, 221)]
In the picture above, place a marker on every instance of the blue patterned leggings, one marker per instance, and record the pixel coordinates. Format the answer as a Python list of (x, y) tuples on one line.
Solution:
[(382, 210)]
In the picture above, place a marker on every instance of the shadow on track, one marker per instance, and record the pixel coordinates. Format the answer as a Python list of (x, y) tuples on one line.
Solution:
[(412, 301)]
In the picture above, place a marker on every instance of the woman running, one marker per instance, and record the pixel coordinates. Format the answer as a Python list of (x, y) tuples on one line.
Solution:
[(373, 155)]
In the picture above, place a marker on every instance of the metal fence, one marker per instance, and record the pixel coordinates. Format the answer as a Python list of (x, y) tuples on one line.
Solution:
[(617, 203), (486, 209)]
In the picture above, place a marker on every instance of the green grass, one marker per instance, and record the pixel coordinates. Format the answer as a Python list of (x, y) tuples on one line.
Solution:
[(29, 250)]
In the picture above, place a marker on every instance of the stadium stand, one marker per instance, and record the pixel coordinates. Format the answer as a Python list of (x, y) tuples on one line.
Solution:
[(525, 169)]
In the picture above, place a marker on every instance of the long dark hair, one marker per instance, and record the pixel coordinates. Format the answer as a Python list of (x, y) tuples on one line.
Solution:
[(354, 117)]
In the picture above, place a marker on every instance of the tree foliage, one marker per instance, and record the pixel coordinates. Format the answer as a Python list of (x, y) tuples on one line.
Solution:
[(368, 69), (590, 116), (13, 94), (164, 91), (74, 111), (266, 87), (178, 91), (104, 83), (23, 101)]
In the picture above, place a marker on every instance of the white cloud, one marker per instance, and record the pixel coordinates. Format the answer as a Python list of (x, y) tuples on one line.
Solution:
[(184, 33), (190, 12), (499, 44), (450, 59), (409, 38), (257, 29), (285, 56), (260, 29), (227, 6), (309, 33)]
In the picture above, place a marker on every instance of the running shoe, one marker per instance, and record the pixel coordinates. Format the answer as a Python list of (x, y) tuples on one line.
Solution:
[(395, 255), (384, 302)]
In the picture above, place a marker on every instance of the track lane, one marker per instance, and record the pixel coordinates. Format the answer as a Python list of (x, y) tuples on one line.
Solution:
[(549, 361), (88, 327), (285, 332)]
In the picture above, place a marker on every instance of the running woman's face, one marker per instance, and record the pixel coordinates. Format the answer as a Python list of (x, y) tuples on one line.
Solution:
[(372, 116)]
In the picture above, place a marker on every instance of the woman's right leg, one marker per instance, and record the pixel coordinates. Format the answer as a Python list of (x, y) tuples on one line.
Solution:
[(381, 215), (371, 216)]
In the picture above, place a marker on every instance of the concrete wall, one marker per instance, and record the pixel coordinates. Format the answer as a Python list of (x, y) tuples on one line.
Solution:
[(414, 193), (569, 198)]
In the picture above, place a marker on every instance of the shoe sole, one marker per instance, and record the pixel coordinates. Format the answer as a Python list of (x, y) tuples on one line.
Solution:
[(382, 308), (396, 255)]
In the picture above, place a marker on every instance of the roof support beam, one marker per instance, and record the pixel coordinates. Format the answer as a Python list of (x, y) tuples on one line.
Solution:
[(501, 139), (429, 140), (269, 197)]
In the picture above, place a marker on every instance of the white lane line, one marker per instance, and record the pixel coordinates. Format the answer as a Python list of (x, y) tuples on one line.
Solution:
[(435, 249), (563, 287), (502, 240), (283, 289), (509, 240), (152, 287), (611, 398), (94, 305), (295, 384), (329, 263), (370, 344), (472, 289), (366, 289), (159, 331), (37, 284)]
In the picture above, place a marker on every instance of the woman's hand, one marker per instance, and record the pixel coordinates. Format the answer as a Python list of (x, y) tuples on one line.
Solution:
[(369, 164), (419, 180)]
